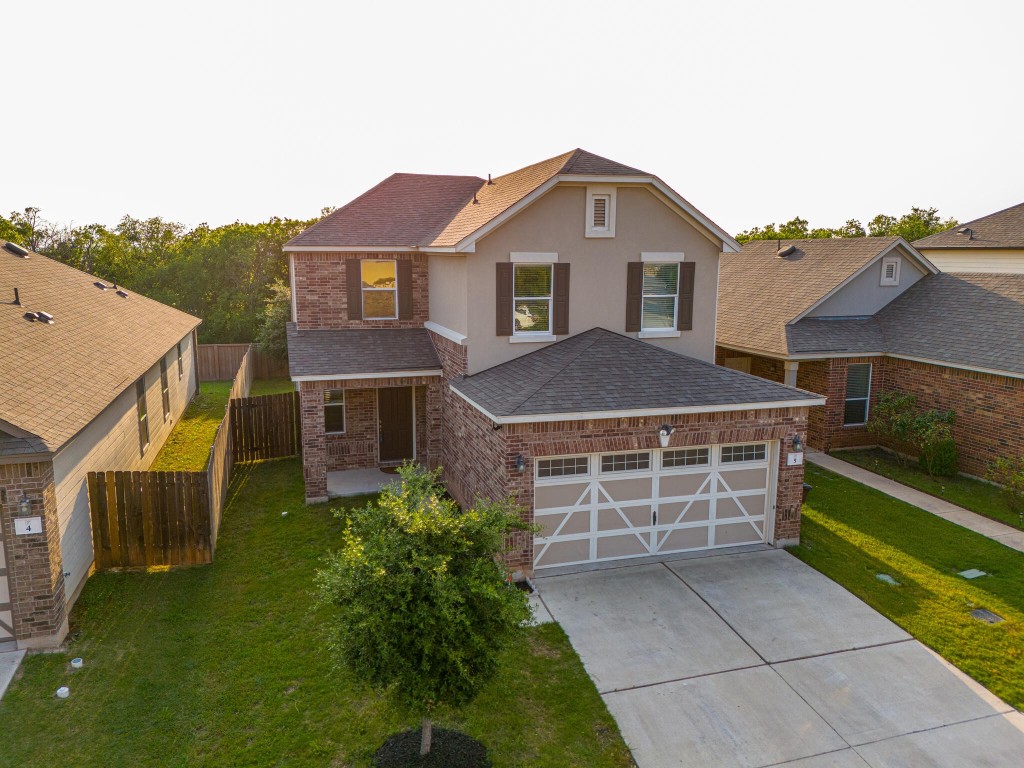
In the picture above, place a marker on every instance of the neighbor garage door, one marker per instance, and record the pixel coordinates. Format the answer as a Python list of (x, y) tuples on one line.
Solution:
[(607, 506)]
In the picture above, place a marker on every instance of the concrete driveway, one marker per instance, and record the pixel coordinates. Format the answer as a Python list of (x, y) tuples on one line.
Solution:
[(758, 660)]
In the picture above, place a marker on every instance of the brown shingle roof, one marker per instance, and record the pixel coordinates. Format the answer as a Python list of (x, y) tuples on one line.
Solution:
[(760, 293), (1003, 229), (342, 352), (416, 210), (55, 379)]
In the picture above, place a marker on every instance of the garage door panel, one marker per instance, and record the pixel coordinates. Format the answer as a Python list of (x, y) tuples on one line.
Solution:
[(628, 545), (741, 506), (683, 539), (691, 511), (611, 519), (744, 479), (555, 496), (684, 485), (627, 489), (563, 552), (750, 532)]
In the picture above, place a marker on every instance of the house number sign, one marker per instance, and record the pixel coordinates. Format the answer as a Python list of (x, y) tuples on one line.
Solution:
[(26, 526)]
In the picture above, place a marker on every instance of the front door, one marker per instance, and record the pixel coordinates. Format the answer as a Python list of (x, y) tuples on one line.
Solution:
[(395, 409), (6, 609)]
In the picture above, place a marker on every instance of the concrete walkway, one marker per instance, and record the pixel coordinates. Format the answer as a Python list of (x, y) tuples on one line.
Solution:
[(756, 660), (9, 661), (1004, 534)]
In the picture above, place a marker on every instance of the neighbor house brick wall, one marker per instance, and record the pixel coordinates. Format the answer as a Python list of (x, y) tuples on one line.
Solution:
[(454, 357), (482, 461), (834, 433), (35, 573), (321, 295)]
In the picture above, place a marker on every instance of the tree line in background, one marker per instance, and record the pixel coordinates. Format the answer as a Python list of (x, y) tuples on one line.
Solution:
[(234, 277), (918, 223)]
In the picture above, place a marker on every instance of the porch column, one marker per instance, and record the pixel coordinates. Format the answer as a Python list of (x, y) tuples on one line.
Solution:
[(314, 442), (791, 366)]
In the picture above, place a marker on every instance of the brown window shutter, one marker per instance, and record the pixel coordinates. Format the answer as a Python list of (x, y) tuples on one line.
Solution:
[(687, 272), (560, 300), (503, 303), (634, 295), (404, 290), (354, 280)]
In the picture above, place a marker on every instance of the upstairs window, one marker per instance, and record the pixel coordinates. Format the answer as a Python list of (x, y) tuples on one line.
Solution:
[(380, 290), (858, 393), (141, 414), (600, 212), (661, 294), (165, 389), (334, 411), (890, 270), (531, 299)]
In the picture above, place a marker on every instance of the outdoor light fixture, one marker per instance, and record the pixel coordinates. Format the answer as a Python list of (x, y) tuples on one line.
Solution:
[(664, 433), (520, 464), (24, 505), (798, 444)]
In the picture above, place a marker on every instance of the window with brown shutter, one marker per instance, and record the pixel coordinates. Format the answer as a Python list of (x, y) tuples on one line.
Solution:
[(405, 290), (503, 300), (634, 295), (354, 288), (560, 308), (687, 275)]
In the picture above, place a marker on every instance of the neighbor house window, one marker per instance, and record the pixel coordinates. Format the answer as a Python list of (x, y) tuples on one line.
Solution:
[(531, 298), (733, 454), (660, 297), (165, 388), (334, 411), (181, 367), (858, 392), (380, 290), (141, 415)]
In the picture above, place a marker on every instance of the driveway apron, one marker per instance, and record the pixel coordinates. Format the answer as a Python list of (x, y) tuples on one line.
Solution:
[(754, 660)]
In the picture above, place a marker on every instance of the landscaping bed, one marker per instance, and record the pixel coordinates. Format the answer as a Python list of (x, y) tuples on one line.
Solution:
[(853, 533), (980, 497), (225, 665)]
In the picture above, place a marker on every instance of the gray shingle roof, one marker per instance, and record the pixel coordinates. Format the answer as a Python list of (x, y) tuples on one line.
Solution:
[(1003, 229), (328, 353), (813, 335), (759, 292), (55, 379), (599, 371)]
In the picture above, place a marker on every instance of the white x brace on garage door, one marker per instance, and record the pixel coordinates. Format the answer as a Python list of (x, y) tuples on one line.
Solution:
[(605, 506)]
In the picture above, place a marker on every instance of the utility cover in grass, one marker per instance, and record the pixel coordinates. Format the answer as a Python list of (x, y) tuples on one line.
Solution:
[(885, 577), (987, 616), (450, 749), (972, 573)]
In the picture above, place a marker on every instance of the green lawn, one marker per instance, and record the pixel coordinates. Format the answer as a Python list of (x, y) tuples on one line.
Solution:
[(224, 665), (851, 533), (188, 446), (271, 387), (983, 498)]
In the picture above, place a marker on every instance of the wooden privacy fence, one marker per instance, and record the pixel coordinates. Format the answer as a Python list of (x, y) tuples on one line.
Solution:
[(265, 427), (219, 362), (150, 518)]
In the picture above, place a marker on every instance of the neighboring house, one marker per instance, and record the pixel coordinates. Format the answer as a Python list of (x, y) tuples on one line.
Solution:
[(92, 377), (993, 243), (849, 318), (533, 334)]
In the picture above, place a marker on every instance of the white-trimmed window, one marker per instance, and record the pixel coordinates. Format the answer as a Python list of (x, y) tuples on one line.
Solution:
[(685, 457), (181, 367), (858, 394), (380, 289), (625, 462), (165, 389), (531, 299), (734, 454), (890, 270), (563, 467), (660, 296), (334, 411), (142, 414), (600, 212)]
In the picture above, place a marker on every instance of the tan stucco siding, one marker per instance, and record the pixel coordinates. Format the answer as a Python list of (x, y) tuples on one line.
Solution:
[(555, 224), (111, 442), (1002, 261), (864, 295), (449, 291)]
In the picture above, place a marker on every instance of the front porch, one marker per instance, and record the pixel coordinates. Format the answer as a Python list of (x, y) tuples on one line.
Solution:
[(357, 482)]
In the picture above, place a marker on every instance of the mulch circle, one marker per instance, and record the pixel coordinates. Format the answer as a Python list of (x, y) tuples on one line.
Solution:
[(451, 749)]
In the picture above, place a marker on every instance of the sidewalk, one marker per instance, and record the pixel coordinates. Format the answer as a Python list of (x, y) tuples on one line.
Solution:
[(1004, 534), (9, 661)]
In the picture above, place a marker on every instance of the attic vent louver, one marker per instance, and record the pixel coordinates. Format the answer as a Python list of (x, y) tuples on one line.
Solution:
[(16, 249), (789, 250)]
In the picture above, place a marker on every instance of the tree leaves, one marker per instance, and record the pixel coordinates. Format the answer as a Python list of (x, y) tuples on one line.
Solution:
[(920, 222)]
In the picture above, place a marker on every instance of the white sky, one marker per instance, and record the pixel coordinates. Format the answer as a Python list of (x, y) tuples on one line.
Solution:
[(754, 111)]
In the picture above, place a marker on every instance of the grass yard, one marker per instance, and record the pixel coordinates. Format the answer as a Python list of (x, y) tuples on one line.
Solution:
[(966, 492), (851, 533), (224, 665), (271, 386), (188, 446)]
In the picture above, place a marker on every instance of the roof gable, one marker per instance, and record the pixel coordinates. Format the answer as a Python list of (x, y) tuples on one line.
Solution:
[(1003, 229)]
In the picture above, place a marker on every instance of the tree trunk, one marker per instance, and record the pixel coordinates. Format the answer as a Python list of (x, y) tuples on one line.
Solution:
[(426, 736)]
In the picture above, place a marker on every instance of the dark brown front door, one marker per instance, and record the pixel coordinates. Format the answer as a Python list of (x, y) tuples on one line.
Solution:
[(394, 405)]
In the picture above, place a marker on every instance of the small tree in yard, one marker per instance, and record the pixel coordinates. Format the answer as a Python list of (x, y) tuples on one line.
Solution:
[(933, 437), (1009, 474), (426, 605), (892, 420)]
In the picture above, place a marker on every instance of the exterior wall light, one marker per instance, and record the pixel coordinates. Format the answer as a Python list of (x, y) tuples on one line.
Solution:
[(664, 433), (798, 444), (24, 505), (520, 463)]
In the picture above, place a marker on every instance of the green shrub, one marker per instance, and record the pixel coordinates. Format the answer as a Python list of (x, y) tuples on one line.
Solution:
[(939, 458), (1009, 475), (892, 421), (933, 437)]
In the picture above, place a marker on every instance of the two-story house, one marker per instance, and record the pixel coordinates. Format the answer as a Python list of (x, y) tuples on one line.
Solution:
[(547, 334)]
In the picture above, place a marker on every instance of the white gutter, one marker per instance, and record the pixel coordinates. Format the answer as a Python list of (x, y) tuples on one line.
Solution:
[(379, 375)]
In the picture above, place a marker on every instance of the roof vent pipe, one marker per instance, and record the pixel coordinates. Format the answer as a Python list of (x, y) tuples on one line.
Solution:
[(489, 182), (17, 299), (475, 201), (16, 249), (787, 251)]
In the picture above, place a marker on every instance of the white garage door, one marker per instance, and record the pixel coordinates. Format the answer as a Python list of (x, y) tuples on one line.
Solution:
[(607, 506)]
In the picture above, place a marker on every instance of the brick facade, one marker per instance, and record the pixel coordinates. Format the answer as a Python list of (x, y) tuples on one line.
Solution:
[(35, 573), (454, 357), (321, 295), (480, 461)]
